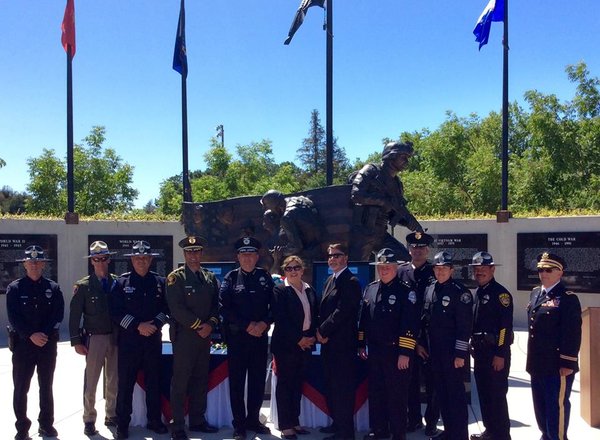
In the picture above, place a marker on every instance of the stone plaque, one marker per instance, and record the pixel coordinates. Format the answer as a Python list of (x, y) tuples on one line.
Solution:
[(462, 247)]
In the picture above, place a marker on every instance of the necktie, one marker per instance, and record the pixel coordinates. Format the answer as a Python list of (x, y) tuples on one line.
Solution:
[(104, 285)]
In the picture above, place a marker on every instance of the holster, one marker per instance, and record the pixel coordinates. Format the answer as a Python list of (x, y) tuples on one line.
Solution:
[(13, 337)]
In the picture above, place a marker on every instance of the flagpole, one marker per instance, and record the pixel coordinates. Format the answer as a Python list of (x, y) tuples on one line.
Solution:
[(329, 95), (504, 202), (187, 191), (70, 184)]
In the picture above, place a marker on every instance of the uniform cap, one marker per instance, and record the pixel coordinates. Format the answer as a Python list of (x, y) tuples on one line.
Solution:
[(99, 248), (419, 239), (442, 259), (34, 253), (192, 243), (386, 256), (141, 248), (548, 260), (247, 244), (483, 259)]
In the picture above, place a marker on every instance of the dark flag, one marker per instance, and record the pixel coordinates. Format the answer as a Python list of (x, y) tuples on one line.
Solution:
[(494, 11), (300, 14), (180, 54), (68, 28)]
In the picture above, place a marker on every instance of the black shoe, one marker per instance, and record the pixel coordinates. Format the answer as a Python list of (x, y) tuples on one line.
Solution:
[(47, 431), (441, 436), (239, 434), (432, 432), (331, 429), (301, 431), (204, 427), (412, 427), (122, 433), (90, 429), (289, 436), (259, 428), (483, 436), (157, 427), (376, 435), (22, 435), (179, 435), (111, 421), (337, 437)]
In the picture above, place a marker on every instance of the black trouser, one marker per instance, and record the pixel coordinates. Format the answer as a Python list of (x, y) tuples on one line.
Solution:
[(246, 354), (421, 371), (191, 356), (136, 353), (25, 358), (492, 387), (450, 390), (388, 389), (339, 374), (291, 367)]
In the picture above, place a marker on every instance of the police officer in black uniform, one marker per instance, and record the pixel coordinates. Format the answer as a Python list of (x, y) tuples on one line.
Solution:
[(491, 340), (419, 274), (193, 299), (138, 306), (388, 326), (244, 303), (35, 308), (450, 324), (552, 347)]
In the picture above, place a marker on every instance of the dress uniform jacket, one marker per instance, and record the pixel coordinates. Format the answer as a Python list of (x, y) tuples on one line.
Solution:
[(450, 323), (554, 331), (34, 306), (193, 298), (389, 317), (493, 324), (90, 300)]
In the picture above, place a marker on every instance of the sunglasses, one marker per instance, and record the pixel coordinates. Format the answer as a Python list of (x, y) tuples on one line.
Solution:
[(99, 259), (540, 270), (335, 255), (292, 268)]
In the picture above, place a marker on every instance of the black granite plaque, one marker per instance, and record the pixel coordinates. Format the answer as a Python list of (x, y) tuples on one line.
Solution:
[(580, 250), (12, 248), (121, 244), (462, 247)]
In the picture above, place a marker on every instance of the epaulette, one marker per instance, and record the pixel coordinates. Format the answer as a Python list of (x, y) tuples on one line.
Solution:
[(373, 282), (569, 292), (83, 281)]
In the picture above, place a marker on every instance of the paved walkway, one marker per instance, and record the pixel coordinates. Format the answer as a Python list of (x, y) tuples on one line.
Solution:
[(68, 384)]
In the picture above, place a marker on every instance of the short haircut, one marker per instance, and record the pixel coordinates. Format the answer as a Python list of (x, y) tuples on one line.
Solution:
[(339, 246)]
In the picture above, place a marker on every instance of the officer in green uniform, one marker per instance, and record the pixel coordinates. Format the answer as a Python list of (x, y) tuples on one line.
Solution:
[(193, 299), (96, 339)]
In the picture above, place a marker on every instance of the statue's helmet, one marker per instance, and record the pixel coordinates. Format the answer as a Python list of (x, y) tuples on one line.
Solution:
[(394, 148)]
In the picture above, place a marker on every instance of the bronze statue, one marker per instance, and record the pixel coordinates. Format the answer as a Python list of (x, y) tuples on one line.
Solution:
[(295, 225), (378, 198)]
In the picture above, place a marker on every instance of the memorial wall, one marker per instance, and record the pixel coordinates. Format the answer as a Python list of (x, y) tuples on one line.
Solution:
[(514, 245)]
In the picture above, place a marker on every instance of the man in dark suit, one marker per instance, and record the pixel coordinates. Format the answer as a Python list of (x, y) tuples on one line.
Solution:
[(338, 335), (554, 317)]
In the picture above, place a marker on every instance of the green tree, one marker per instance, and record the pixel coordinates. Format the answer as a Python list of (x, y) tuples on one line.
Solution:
[(102, 181), (12, 202), (2, 163)]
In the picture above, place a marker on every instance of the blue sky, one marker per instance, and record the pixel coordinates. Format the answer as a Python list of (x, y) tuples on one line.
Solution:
[(399, 65)]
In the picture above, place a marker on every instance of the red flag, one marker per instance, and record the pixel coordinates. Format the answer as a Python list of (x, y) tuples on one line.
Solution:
[(68, 28)]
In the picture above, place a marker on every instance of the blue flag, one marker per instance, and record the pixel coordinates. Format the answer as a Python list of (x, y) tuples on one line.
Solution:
[(180, 54), (494, 11), (300, 14)]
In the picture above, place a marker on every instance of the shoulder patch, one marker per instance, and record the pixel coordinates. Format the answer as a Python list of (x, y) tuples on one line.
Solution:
[(171, 279), (466, 298), (504, 299)]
